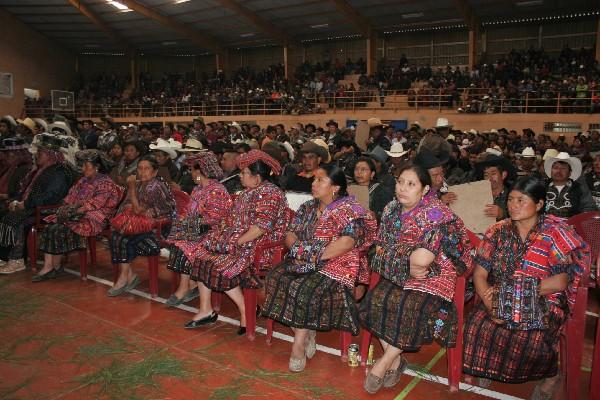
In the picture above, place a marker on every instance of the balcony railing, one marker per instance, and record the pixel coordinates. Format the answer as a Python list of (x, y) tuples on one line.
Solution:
[(470, 100)]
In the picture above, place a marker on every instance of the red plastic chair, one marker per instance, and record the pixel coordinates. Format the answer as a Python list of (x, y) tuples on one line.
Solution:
[(182, 200), (33, 245), (454, 354), (587, 226), (251, 295)]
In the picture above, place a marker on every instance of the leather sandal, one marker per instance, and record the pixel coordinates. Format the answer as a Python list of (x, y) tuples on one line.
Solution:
[(297, 364)]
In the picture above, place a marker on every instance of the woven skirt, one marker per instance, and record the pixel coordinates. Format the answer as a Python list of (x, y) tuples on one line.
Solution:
[(311, 301), (59, 239), (178, 262), (508, 355), (124, 249), (408, 319)]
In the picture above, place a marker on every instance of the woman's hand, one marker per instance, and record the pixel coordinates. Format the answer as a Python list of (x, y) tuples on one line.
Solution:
[(487, 297), (131, 179)]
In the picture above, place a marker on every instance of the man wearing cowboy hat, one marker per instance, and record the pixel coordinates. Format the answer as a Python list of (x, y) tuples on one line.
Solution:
[(165, 153), (565, 196), (109, 136), (7, 127), (312, 155), (526, 161), (398, 158), (435, 141), (26, 128), (377, 135)]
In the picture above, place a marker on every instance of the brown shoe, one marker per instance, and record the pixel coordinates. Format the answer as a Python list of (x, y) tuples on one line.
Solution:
[(392, 376), (372, 383)]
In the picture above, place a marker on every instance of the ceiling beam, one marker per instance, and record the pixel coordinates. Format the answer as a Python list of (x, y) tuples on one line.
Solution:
[(201, 39), (267, 27), (363, 24), (467, 13), (84, 10)]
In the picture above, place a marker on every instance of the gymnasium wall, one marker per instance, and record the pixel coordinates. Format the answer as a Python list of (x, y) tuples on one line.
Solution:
[(35, 62)]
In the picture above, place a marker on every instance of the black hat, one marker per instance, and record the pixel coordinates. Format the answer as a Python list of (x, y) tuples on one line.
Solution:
[(427, 159), (95, 157), (492, 160)]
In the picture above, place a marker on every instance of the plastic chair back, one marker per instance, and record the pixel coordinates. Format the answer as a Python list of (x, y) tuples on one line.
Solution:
[(182, 200)]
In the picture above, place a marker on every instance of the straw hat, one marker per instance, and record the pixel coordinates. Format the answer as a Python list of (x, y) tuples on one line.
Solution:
[(528, 152), (27, 123), (168, 147), (373, 122), (550, 153)]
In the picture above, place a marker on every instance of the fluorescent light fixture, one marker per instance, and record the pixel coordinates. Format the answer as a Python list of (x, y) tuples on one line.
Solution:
[(412, 15), (181, 1), (119, 6), (529, 3), (249, 34), (319, 26), (169, 43)]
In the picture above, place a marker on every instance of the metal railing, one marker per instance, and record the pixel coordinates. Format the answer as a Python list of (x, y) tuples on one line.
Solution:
[(469, 100)]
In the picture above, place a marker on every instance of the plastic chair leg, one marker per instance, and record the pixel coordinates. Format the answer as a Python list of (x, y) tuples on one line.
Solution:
[(250, 300), (32, 247), (595, 378), (153, 272), (364, 347), (83, 264), (575, 332), (345, 341)]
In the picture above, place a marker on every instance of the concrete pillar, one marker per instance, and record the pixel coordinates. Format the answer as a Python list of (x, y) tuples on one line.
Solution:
[(371, 53), (598, 42), (286, 61), (473, 35)]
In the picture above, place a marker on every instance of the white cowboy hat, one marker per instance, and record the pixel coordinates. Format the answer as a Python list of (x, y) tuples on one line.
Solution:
[(473, 131), (397, 150), (61, 127), (235, 125), (42, 124), (494, 150), (527, 152), (192, 145), (573, 162), (442, 123), (451, 137), (166, 147)]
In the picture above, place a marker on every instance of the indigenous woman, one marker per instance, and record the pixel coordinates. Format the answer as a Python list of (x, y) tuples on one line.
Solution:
[(313, 289), (542, 253), (16, 164), (132, 151), (421, 247), (148, 199), (209, 206), (86, 210), (379, 195), (47, 184), (223, 260)]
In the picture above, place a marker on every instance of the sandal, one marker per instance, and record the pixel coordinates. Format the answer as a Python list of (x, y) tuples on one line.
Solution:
[(372, 383)]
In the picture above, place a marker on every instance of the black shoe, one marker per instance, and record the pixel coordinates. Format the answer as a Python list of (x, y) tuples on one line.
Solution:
[(211, 319), (44, 277), (241, 331)]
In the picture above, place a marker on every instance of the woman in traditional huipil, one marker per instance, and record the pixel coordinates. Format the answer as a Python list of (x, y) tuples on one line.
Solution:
[(148, 197), (533, 250), (86, 210), (223, 260), (208, 208), (312, 290), (421, 247), (47, 184)]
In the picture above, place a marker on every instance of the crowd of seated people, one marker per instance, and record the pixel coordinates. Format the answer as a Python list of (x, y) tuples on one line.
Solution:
[(239, 178)]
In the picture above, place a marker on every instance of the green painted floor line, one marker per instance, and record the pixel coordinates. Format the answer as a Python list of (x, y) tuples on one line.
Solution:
[(415, 380)]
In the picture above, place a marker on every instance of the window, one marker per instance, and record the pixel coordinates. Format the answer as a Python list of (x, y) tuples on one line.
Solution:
[(6, 84)]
